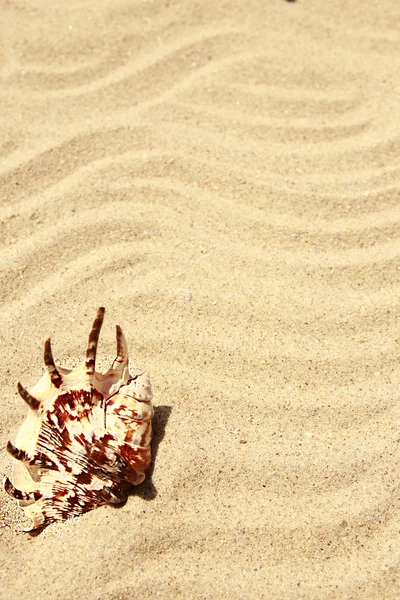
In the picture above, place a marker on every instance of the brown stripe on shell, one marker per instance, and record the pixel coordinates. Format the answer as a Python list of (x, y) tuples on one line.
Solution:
[(74, 405), (90, 359), (121, 346), (59, 492), (136, 462), (128, 435), (143, 439), (55, 376), (17, 494), (29, 399), (44, 462), (85, 477), (16, 452)]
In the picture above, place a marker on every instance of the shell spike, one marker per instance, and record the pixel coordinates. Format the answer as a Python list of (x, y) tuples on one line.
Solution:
[(17, 494), (118, 372), (90, 358), (15, 452), (29, 399), (122, 348), (55, 376)]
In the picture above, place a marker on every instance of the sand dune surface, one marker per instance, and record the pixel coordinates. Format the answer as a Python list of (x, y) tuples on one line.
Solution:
[(223, 177)]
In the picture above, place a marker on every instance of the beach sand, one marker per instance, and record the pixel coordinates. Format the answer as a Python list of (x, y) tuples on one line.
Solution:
[(224, 178)]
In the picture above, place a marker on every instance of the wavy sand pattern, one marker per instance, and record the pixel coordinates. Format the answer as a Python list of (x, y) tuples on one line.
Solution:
[(224, 178)]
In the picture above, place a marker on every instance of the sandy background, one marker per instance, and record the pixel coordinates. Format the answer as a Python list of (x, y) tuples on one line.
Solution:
[(224, 178)]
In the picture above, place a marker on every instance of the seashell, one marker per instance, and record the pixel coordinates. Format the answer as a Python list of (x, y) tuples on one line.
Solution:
[(86, 439)]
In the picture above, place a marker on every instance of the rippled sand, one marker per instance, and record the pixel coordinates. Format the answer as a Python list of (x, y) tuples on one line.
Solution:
[(224, 178)]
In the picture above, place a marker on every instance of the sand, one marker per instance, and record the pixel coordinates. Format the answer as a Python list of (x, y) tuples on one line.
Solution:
[(224, 178)]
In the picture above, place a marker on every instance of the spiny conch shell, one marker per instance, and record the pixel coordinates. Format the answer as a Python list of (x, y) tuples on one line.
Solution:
[(86, 439)]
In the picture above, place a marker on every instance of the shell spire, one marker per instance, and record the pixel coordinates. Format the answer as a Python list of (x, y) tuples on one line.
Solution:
[(69, 458)]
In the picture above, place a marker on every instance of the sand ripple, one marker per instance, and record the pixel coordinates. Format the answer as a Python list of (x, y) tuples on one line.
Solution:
[(224, 178)]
